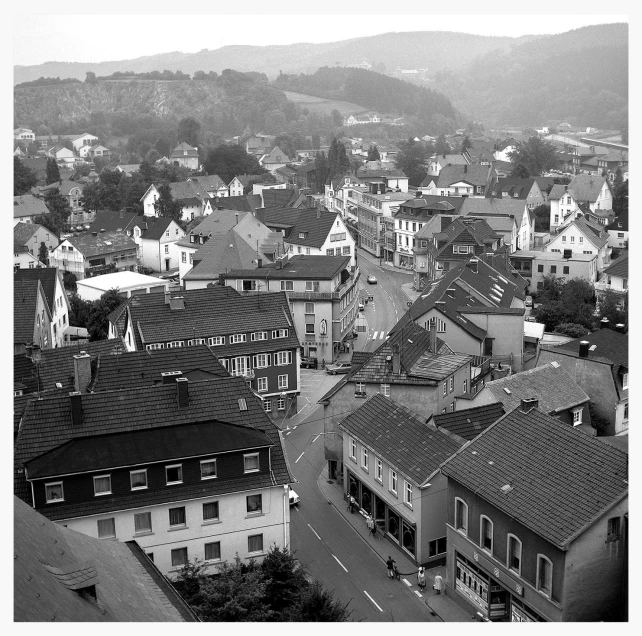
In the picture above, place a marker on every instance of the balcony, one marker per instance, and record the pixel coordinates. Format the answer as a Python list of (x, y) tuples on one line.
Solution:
[(479, 367), (337, 294)]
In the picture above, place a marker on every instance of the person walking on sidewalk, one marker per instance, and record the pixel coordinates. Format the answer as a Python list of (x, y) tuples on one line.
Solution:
[(369, 523), (421, 579), (373, 528), (351, 504), (390, 563), (439, 583)]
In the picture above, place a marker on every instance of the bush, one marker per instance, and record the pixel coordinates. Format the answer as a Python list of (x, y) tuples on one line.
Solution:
[(572, 329)]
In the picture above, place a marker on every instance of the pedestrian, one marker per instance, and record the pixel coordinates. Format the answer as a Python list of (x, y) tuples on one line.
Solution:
[(351, 504), (390, 563), (439, 583), (373, 528), (369, 523), (421, 579)]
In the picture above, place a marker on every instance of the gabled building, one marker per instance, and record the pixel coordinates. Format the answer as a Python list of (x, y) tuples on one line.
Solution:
[(468, 422), (615, 278), (323, 294), (437, 163), (305, 174), (26, 208), (565, 200), (392, 471), (212, 184), (84, 141), (157, 239), (619, 230), (187, 469), (527, 543), (72, 191), (273, 160), (581, 237), (193, 198), (29, 237), (31, 315), (185, 155), (462, 180), (599, 363), (253, 337), (238, 185), (523, 189)]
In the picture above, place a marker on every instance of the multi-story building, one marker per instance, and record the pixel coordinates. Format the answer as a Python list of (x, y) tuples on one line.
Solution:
[(517, 555), (524, 189), (323, 295), (186, 469), (31, 315), (596, 191), (185, 155), (581, 237), (616, 279)]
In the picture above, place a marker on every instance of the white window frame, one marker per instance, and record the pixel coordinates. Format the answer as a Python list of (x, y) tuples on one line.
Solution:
[(394, 478), (154, 346), (465, 385), (216, 559), (237, 338), (177, 525), (385, 390), (105, 492), (407, 493), (283, 358), (247, 456), (135, 472), (279, 333), (307, 306), (445, 392), (262, 361), (625, 381), (107, 536), (540, 558), (352, 444), (267, 405), (218, 512), (262, 385), (577, 416), (177, 566), (511, 537), (216, 341), (251, 536), (62, 492), (195, 341), (146, 531), (481, 534), (287, 285), (378, 470), (365, 457), (209, 461), (451, 384), (174, 344), (280, 404), (464, 526), (259, 335), (171, 483), (283, 381)]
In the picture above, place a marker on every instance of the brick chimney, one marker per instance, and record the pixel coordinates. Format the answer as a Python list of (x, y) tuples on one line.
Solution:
[(182, 392), (604, 323), (396, 360), (528, 404), (76, 408), (82, 371), (167, 297), (472, 263), (169, 377), (584, 348), (433, 338)]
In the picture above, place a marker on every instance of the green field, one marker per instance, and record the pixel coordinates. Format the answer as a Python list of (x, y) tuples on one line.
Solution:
[(322, 105)]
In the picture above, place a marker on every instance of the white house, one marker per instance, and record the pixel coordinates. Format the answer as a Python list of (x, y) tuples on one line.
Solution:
[(128, 284), (581, 237), (589, 189), (193, 197), (83, 141), (156, 238), (24, 134)]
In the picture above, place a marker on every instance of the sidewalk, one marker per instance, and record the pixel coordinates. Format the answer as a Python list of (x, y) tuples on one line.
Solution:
[(443, 605)]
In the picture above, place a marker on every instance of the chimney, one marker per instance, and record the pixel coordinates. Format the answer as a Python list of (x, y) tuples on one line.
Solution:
[(318, 213), (528, 404), (237, 218), (169, 377), (396, 362), (472, 263), (584, 348), (604, 323), (221, 280), (279, 264), (121, 214), (433, 338), (182, 392), (94, 233), (76, 408), (177, 303), (167, 297), (451, 292), (82, 371), (465, 168), (565, 188), (259, 262), (620, 328)]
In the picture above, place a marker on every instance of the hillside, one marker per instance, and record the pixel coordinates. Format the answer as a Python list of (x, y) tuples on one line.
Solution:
[(322, 105)]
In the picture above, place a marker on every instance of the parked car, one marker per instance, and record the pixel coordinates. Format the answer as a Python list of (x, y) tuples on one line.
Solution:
[(338, 367), (309, 363), (361, 306), (294, 498), (371, 280), (528, 302)]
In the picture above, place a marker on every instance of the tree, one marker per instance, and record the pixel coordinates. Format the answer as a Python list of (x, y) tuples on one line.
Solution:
[(53, 173), (230, 161), (520, 171), (188, 131), (165, 205), (572, 329), (90, 77), (316, 141), (69, 281), (318, 605), (337, 117), (97, 322), (542, 215), (563, 301), (43, 253), (466, 144), (23, 178), (442, 147), (535, 154), (621, 198), (373, 153), (610, 306), (322, 170), (58, 217), (412, 159), (284, 580), (338, 162), (79, 310)]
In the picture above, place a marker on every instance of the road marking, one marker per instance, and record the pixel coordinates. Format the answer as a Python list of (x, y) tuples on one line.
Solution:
[(288, 432), (301, 455), (374, 602), (382, 335), (406, 582), (315, 532), (418, 594), (374, 335), (341, 564), (316, 438)]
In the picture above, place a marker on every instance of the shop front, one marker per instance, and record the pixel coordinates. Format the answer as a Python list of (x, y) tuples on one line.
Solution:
[(399, 529)]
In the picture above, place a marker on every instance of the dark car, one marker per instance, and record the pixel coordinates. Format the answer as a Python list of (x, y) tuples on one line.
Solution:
[(309, 363)]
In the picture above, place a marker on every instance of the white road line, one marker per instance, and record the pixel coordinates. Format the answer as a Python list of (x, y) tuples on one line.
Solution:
[(407, 582), (382, 335), (301, 455), (316, 438), (418, 594), (374, 335), (374, 602), (341, 564), (315, 532), (288, 432)]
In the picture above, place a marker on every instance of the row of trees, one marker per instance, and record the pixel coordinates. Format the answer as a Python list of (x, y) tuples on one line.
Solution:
[(277, 590)]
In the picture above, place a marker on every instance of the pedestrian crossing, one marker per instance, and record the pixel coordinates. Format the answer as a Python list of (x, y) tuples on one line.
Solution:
[(379, 334)]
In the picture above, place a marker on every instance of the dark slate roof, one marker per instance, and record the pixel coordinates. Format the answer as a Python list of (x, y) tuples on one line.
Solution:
[(51, 563), (217, 223), (476, 232), (105, 243), (144, 368), (25, 302), (111, 221), (401, 438), (103, 452), (515, 188), (619, 267), (178, 152), (241, 203), (28, 205), (469, 423), (22, 232), (46, 425), (282, 197), (314, 223), (153, 227), (47, 277), (500, 263), (24, 371), (562, 479), (553, 387), (358, 358), (610, 346), (19, 405), (298, 267)]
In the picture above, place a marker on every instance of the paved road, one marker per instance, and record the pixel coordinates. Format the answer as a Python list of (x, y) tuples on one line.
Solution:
[(329, 547)]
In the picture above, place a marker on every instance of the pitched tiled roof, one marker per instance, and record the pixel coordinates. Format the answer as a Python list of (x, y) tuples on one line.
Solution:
[(241, 203), (561, 480), (619, 267), (515, 188), (52, 564), (64, 188), (315, 224), (401, 438), (105, 243), (154, 227), (599, 237), (22, 232), (499, 207), (474, 174), (392, 173), (47, 277), (476, 232), (299, 266), (179, 151), (28, 205), (46, 426), (114, 221), (586, 188), (144, 368), (278, 198), (25, 302), (553, 387), (610, 346), (186, 190), (218, 223), (209, 181), (469, 423)]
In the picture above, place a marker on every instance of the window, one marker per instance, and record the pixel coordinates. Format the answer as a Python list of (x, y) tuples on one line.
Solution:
[(353, 449), (407, 494), (544, 575), (437, 546), (213, 551), (254, 504), (216, 341), (445, 392), (174, 474), (312, 285), (261, 361), (107, 528), (540, 268), (208, 468), (280, 333), (461, 516), (248, 285), (167, 249), (280, 404), (251, 463), (540, 285), (309, 308), (175, 344), (514, 557), (565, 269), (563, 239), (572, 239), (452, 383), (102, 485), (235, 338), (465, 386), (553, 269), (486, 534), (176, 517), (378, 470), (625, 380), (210, 511), (613, 529), (393, 482), (255, 543), (577, 417), (267, 406), (626, 411), (283, 358), (385, 390), (195, 341), (364, 459), (262, 385), (346, 250), (54, 492), (283, 381), (309, 328), (142, 522), (179, 557)]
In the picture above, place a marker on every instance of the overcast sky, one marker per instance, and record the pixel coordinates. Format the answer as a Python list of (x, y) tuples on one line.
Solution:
[(125, 34)]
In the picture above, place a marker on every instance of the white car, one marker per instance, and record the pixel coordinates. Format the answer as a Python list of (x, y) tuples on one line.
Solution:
[(294, 498)]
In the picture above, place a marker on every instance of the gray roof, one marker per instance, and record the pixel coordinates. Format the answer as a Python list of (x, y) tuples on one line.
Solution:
[(469, 423), (105, 243), (28, 205), (298, 267)]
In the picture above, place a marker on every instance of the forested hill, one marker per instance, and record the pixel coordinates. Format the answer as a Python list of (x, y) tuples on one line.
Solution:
[(374, 91)]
